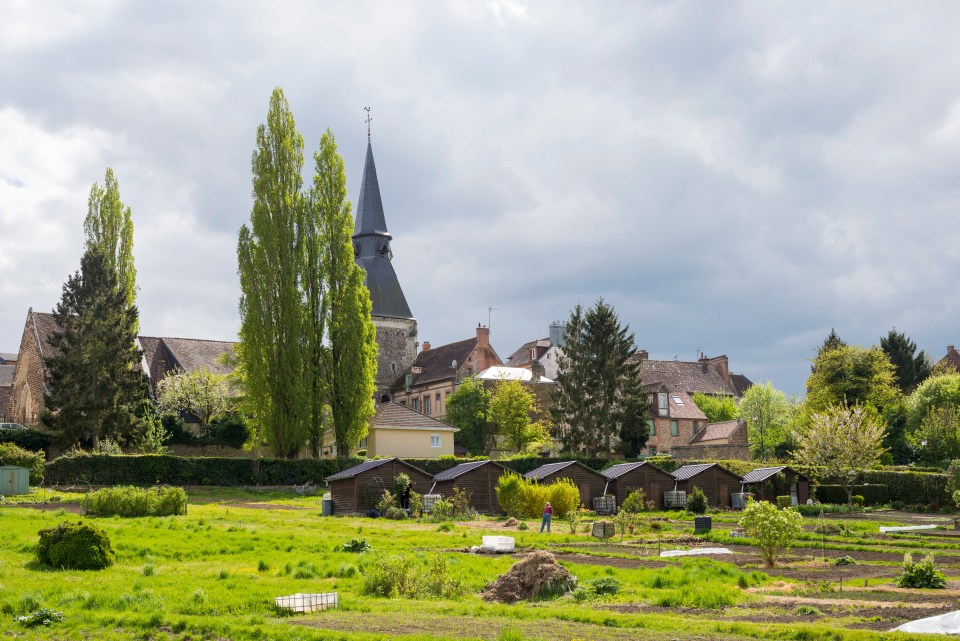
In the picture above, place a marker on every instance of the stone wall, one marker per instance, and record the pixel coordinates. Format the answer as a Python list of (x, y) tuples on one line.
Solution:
[(397, 348), (26, 395)]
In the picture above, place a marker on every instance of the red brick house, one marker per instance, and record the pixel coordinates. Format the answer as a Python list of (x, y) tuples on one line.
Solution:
[(951, 360), (674, 419), (719, 441)]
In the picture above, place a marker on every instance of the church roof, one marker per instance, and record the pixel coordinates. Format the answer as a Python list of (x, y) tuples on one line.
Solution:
[(372, 248)]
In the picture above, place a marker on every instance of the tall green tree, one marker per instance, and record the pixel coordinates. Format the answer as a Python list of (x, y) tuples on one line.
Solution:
[(599, 394), (832, 341), (511, 407), (849, 376), (94, 383), (767, 412), (468, 409), (350, 364), (716, 407), (270, 255), (109, 227), (935, 393), (911, 367)]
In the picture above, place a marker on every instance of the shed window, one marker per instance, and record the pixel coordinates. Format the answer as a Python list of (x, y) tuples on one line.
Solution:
[(434, 440), (674, 428)]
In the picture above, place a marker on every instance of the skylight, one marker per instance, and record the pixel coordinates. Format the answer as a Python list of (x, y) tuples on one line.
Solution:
[(676, 399)]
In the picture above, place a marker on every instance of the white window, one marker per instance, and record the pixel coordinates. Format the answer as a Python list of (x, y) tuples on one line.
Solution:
[(434, 440), (662, 403), (676, 399)]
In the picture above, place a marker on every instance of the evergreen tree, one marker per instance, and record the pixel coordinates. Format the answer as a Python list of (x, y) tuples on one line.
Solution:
[(350, 365), (109, 227), (270, 255), (832, 341), (911, 367), (599, 395), (468, 408), (94, 382)]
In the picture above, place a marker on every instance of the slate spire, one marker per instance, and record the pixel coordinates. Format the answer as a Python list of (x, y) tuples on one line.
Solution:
[(371, 247)]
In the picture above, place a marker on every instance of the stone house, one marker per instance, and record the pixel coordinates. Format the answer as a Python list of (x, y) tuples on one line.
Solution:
[(718, 441), (542, 352), (437, 371), (706, 375), (674, 419)]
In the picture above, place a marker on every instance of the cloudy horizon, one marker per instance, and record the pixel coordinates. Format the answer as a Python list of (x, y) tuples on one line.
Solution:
[(734, 178)]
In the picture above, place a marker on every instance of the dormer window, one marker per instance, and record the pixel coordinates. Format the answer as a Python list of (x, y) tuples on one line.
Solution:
[(662, 403)]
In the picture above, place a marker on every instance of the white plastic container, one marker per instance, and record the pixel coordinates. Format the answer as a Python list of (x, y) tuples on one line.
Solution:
[(308, 602), (498, 544)]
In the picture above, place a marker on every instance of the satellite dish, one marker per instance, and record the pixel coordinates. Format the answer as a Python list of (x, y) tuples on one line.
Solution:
[(454, 364)]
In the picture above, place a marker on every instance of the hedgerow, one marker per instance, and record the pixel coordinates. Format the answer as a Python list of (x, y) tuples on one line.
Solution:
[(134, 501)]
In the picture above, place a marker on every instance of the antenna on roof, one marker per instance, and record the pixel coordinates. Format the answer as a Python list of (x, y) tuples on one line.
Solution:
[(490, 311), (368, 121)]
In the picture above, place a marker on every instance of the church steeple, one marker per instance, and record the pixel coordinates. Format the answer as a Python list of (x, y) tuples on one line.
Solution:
[(371, 246)]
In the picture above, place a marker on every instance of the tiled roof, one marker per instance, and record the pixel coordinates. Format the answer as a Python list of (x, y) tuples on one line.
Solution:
[(761, 474), (399, 417), (351, 472), (463, 468), (45, 325), (740, 383), (6, 376), (618, 470), (689, 471), (686, 408), (193, 353), (952, 358), (522, 355), (552, 468), (8, 357), (684, 376), (436, 363), (716, 431)]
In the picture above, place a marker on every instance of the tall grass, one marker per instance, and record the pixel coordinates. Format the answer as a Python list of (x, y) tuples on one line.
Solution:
[(134, 501)]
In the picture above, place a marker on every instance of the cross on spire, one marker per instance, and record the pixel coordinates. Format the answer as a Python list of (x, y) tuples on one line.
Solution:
[(368, 121)]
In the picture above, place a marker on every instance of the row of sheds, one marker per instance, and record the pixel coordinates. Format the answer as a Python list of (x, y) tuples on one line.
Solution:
[(357, 489)]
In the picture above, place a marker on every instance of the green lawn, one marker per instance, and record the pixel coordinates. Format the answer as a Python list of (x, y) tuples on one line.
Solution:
[(213, 574)]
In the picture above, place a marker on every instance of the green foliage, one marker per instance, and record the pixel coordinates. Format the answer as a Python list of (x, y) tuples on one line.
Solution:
[(635, 502), (921, 574), (843, 560), (870, 494), (394, 513), (511, 407), (400, 483), (94, 381), (41, 617), (857, 500), (108, 228), (522, 498), (768, 414), (697, 501), (774, 530), (935, 393), (598, 397), (152, 436), (402, 576), (11, 454), (469, 409), (134, 501), (808, 610), (75, 546), (785, 501), (851, 376), (387, 501), (937, 439), (716, 407), (29, 439), (911, 368), (356, 546), (201, 393)]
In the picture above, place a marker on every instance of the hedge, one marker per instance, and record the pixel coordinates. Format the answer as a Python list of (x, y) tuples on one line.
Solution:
[(28, 439), (872, 494)]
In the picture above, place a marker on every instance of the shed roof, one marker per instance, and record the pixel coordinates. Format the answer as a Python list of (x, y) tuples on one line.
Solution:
[(463, 468), (761, 474), (618, 470), (351, 472), (553, 468), (689, 471)]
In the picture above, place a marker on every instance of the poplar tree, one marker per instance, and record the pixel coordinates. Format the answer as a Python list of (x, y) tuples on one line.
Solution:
[(599, 396), (270, 257), (109, 227), (350, 356), (93, 380)]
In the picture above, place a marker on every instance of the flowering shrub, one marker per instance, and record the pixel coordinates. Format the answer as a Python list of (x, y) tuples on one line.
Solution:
[(773, 529)]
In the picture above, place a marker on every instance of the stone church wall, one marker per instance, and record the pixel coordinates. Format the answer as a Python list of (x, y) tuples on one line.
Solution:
[(397, 342)]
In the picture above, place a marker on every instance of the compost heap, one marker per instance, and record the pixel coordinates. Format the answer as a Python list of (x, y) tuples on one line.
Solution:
[(536, 575)]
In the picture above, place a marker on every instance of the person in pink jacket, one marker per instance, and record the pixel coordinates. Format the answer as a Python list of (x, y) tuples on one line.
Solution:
[(547, 513)]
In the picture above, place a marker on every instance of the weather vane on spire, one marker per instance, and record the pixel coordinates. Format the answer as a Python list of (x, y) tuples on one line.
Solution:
[(368, 121)]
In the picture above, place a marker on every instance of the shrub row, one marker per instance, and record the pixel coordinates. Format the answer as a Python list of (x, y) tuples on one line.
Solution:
[(523, 498), (872, 494), (134, 501), (28, 439)]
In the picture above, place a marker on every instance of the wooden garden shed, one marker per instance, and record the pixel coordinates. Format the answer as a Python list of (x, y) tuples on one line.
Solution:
[(357, 489), (717, 482), (624, 478), (767, 483), (590, 482), (479, 478)]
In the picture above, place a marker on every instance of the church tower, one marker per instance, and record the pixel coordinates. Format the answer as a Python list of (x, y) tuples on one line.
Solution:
[(396, 326)]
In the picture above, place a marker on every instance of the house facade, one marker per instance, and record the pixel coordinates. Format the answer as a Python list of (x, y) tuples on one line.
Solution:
[(541, 354), (726, 440), (674, 419), (706, 375), (396, 430), (951, 360)]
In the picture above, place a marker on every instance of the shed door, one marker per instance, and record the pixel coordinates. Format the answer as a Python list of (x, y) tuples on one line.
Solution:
[(724, 495), (584, 494)]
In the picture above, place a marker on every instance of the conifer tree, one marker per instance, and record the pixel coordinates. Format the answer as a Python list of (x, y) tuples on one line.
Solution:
[(911, 367), (270, 256), (109, 227), (350, 363), (599, 395), (94, 383)]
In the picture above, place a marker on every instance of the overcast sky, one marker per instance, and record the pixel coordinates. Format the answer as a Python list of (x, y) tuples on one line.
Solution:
[(735, 178)]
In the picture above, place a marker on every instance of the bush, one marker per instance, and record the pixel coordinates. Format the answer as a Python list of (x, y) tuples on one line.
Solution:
[(29, 439), (400, 483), (525, 499), (774, 530), (386, 502), (442, 509), (395, 513), (606, 585), (75, 546), (697, 501), (844, 560), (399, 576), (921, 574), (357, 546), (635, 502), (784, 501), (11, 454), (43, 616), (134, 501), (857, 499)]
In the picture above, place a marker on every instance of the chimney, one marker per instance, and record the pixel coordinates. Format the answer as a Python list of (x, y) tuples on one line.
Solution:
[(483, 336), (426, 346), (557, 330), (722, 367), (643, 355), (951, 349), (483, 350), (704, 362), (536, 370)]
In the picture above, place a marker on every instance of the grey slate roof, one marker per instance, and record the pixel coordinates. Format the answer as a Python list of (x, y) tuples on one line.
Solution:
[(6, 376), (351, 472), (684, 376), (400, 417), (371, 242), (552, 468), (7, 357), (718, 431), (761, 474), (618, 470), (689, 471), (463, 468)]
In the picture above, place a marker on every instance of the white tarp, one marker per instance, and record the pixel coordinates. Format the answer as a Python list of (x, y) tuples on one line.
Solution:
[(695, 552), (500, 544), (948, 623), (907, 528)]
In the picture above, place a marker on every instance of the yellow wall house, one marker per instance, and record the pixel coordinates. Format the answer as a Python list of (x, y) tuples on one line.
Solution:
[(396, 430)]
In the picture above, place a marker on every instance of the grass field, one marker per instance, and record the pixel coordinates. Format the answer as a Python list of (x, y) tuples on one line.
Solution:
[(214, 574)]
